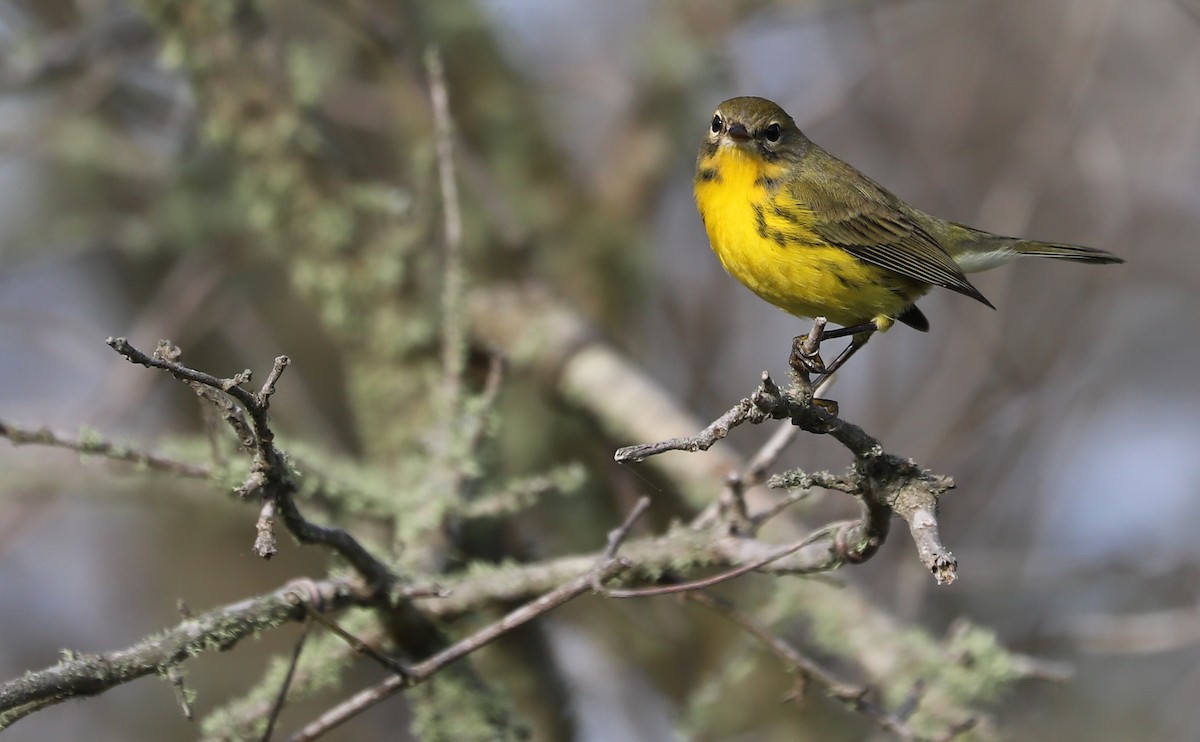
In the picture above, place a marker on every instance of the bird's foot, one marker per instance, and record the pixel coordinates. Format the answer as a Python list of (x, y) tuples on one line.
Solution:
[(829, 405), (806, 358)]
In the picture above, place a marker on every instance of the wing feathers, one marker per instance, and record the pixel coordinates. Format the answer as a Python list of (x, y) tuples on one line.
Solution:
[(862, 218)]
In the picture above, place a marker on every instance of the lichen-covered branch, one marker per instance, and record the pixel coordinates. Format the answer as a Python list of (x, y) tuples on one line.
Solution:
[(90, 674), (95, 445), (270, 476), (884, 483)]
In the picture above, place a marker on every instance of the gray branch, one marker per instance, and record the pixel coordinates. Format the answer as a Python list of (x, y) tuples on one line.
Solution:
[(885, 484), (91, 674), (270, 476)]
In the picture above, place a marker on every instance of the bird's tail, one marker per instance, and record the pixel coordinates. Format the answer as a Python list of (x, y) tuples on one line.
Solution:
[(1065, 252)]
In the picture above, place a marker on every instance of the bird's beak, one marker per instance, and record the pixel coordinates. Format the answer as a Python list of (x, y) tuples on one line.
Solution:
[(738, 133)]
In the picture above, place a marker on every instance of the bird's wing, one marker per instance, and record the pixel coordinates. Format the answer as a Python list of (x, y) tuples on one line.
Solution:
[(859, 216)]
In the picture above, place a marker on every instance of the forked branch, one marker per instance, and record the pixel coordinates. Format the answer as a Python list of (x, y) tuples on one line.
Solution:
[(885, 484)]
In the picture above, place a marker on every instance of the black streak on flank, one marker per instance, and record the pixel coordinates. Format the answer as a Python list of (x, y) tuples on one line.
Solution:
[(709, 175), (760, 221), (784, 214), (771, 184), (780, 238)]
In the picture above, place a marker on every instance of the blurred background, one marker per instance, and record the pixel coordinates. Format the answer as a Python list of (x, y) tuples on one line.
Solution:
[(154, 188)]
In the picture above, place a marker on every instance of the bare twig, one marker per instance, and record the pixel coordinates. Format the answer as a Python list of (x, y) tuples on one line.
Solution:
[(853, 695), (754, 409), (421, 672), (616, 537), (770, 452), (270, 474), (812, 341), (357, 644), (268, 387), (277, 707)]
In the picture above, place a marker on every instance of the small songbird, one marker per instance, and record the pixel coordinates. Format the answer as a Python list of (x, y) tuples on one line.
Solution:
[(816, 238)]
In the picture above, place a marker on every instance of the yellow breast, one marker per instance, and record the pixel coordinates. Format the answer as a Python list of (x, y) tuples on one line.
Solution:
[(764, 237)]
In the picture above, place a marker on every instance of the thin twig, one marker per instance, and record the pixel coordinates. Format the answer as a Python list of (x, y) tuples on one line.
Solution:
[(358, 645), (162, 360), (766, 456), (616, 537), (854, 696), (277, 707), (775, 556), (95, 446), (753, 409), (779, 646), (423, 671)]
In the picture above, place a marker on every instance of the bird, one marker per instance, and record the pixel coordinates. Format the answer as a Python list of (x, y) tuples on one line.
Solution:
[(813, 236)]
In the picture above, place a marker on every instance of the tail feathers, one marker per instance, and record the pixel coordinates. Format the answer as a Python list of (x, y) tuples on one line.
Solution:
[(1065, 252), (914, 318)]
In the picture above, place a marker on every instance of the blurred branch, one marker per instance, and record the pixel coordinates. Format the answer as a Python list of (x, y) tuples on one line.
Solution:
[(853, 696), (543, 336), (93, 444), (453, 343), (1138, 633)]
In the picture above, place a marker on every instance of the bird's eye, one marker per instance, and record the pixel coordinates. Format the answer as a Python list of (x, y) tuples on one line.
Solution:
[(773, 133), (716, 123)]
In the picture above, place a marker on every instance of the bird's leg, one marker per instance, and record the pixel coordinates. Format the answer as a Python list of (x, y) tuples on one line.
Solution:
[(806, 356), (841, 332), (860, 339)]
